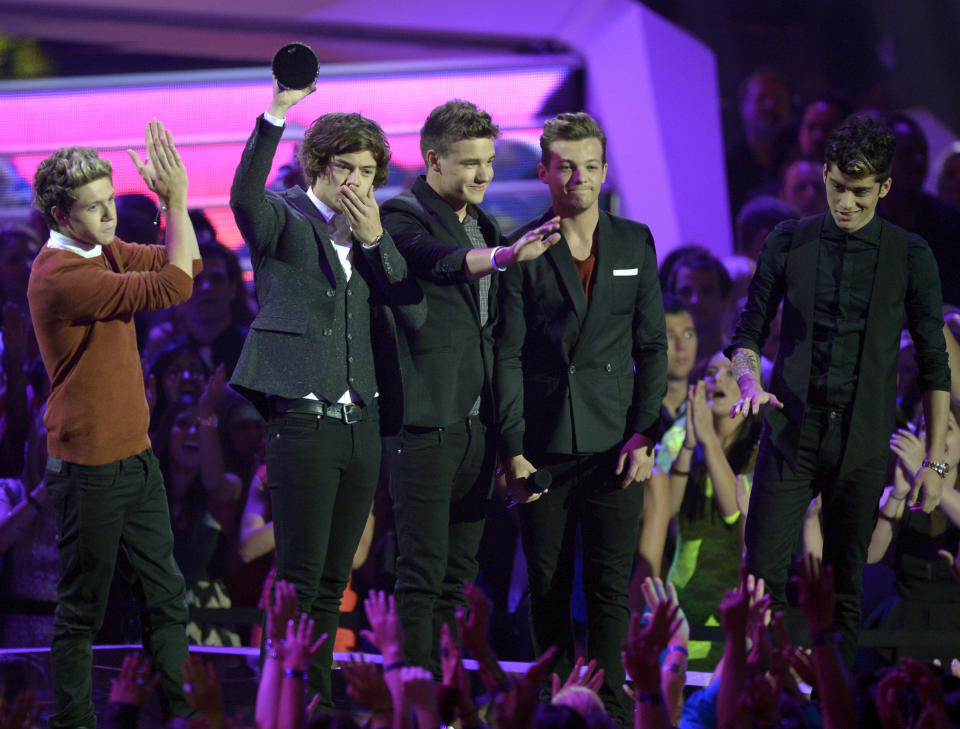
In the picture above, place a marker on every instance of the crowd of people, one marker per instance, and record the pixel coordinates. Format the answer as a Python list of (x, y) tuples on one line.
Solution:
[(343, 427)]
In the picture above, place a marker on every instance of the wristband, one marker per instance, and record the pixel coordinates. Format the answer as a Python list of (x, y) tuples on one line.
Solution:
[(678, 472), (685, 447), (394, 666), (493, 259), (898, 498), (830, 637), (649, 697), (294, 673), (887, 517)]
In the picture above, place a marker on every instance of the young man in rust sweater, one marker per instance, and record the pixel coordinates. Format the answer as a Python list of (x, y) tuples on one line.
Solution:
[(85, 286)]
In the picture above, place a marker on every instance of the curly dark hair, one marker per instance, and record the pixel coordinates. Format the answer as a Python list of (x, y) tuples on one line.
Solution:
[(862, 146), (452, 122), (571, 127), (342, 133)]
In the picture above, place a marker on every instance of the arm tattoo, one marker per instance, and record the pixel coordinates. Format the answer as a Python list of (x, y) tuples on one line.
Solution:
[(745, 362)]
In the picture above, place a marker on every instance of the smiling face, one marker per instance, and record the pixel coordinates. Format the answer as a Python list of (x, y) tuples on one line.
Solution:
[(348, 169), (575, 172), (462, 175), (852, 200), (185, 439), (92, 219), (722, 388)]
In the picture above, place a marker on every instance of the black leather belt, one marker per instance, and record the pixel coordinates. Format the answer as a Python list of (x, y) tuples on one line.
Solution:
[(344, 412)]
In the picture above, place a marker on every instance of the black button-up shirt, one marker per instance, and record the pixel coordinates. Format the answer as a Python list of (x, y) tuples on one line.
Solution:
[(846, 266)]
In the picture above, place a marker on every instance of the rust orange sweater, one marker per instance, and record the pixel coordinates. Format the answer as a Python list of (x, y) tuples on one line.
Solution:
[(82, 310)]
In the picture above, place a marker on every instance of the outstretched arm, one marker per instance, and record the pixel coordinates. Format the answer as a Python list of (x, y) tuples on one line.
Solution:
[(481, 262), (746, 368)]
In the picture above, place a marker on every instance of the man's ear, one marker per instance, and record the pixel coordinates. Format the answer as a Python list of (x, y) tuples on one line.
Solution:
[(885, 186), (433, 160), (60, 216)]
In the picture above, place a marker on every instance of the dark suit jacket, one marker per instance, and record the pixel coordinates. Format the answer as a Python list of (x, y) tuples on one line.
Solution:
[(448, 362), (905, 282), (573, 378), (297, 276)]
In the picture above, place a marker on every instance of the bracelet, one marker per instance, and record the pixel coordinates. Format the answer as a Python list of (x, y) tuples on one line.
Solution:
[(887, 517), (685, 447), (493, 259), (678, 472), (649, 697), (294, 673), (831, 637), (394, 666), (677, 648), (897, 498)]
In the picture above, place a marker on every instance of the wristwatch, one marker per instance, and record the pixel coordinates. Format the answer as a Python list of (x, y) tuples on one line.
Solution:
[(937, 467)]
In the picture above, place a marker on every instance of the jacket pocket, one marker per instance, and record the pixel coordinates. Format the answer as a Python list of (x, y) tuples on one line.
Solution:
[(279, 324)]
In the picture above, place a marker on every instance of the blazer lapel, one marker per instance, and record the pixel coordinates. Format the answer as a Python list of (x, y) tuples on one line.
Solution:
[(326, 254), (561, 259), (602, 273)]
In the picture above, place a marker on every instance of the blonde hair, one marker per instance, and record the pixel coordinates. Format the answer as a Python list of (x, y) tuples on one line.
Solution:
[(60, 174)]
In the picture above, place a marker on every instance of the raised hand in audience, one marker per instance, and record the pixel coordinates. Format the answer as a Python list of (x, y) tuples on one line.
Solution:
[(760, 699), (279, 612), (366, 686), (515, 702), (21, 714), (474, 626), (135, 683), (641, 661), (203, 692), (420, 690), (673, 671), (385, 630), (456, 696), (591, 678)]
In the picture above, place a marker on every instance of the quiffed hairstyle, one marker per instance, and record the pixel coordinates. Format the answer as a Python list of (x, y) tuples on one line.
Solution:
[(453, 122), (63, 172), (862, 146), (341, 133), (570, 127)]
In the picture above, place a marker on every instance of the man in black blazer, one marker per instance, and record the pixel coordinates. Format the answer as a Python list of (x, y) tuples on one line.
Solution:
[(846, 280), (581, 370), (442, 461), (330, 282)]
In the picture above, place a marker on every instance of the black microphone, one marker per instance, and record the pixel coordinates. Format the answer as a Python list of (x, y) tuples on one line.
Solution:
[(538, 482)]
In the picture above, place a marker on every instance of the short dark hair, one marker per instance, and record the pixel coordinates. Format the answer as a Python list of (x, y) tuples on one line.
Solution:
[(700, 260), (674, 305), (763, 212), (60, 174), (452, 122), (862, 146), (571, 127), (342, 133)]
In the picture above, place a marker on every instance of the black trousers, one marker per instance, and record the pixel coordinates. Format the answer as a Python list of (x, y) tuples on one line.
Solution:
[(101, 511), (780, 497), (322, 475), (585, 494), (440, 483)]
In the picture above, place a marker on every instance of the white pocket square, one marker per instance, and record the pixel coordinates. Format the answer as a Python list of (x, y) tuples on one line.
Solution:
[(626, 271)]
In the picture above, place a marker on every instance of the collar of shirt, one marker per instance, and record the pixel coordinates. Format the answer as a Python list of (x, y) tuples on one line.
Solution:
[(340, 234), (62, 242), (870, 233)]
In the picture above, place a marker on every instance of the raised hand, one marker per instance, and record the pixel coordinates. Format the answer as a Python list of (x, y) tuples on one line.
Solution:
[(366, 686), (162, 170), (761, 699), (816, 593), (419, 688), (698, 413), (655, 592), (284, 98), (474, 624), (385, 633), (514, 707), (592, 678), (909, 449), (202, 689), (535, 242), (212, 396), (299, 648), (454, 675), (135, 682), (641, 652), (281, 610)]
